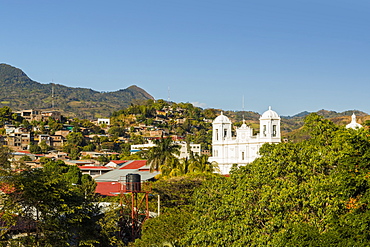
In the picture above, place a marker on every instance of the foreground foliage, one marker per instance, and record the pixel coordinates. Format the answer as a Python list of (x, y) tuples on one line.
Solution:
[(52, 206), (176, 211), (312, 193)]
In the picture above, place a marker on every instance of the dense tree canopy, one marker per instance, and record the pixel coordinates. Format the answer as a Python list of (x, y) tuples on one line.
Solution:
[(312, 193), (55, 205)]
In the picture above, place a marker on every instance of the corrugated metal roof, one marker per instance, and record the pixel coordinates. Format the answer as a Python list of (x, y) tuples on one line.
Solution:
[(94, 168), (79, 162), (120, 174)]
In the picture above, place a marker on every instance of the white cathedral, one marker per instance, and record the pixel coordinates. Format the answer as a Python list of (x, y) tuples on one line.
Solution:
[(242, 148)]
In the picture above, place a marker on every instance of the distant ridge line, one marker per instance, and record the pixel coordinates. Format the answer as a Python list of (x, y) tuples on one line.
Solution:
[(19, 92)]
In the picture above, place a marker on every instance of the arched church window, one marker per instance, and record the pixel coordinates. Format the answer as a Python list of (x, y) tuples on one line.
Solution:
[(264, 130), (217, 134), (273, 130)]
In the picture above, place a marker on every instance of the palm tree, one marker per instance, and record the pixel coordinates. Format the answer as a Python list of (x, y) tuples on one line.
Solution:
[(200, 164), (162, 154), (180, 168), (169, 169)]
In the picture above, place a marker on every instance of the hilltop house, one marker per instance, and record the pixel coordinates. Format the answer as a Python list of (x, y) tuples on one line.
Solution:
[(39, 115)]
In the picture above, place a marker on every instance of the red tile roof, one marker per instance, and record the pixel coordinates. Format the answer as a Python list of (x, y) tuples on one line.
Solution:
[(136, 164), (118, 161), (108, 188)]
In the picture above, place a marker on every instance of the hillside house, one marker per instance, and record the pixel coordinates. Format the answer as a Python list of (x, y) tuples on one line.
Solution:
[(54, 154), (56, 115), (102, 121), (20, 139), (54, 141), (39, 115), (63, 133), (30, 114), (94, 171), (116, 163)]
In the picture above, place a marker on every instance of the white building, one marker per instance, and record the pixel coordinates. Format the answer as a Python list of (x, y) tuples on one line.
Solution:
[(242, 148), (353, 124), (104, 121), (184, 153)]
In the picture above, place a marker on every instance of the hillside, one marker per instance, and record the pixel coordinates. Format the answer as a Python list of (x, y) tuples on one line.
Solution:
[(18, 92), (291, 125)]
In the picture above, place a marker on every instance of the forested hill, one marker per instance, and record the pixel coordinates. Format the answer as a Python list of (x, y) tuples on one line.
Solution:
[(19, 92)]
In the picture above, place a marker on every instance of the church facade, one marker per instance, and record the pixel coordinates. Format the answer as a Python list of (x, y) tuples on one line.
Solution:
[(242, 148)]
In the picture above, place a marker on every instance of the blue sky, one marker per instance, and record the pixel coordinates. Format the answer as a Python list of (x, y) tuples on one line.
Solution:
[(293, 55)]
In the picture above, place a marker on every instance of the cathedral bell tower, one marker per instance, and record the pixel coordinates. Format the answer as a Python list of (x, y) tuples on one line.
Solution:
[(270, 126), (221, 129)]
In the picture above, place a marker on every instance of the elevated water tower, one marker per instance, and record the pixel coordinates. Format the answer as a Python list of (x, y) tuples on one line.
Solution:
[(134, 201)]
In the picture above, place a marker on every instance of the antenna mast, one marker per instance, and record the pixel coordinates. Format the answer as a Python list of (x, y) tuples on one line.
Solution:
[(243, 108), (52, 93), (168, 94)]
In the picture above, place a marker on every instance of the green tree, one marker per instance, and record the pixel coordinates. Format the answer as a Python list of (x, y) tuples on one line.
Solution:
[(57, 199), (200, 164), (103, 159), (25, 158), (162, 153), (76, 139), (44, 147), (171, 226), (89, 147), (116, 131), (74, 153), (35, 149), (54, 125)]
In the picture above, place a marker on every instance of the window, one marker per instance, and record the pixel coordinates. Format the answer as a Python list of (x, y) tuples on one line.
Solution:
[(217, 134), (264, 130), (243, 156), (225, 133), (273, 130)]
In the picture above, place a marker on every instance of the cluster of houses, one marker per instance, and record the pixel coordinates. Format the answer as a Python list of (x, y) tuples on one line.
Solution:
[(19, 138), (108, 176)]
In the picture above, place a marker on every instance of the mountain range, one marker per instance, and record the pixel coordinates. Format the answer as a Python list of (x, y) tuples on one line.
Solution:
[(19, 92)]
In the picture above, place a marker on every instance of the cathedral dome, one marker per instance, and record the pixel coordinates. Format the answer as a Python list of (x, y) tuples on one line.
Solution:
[(353, 124), (221, 119), (270, 114)]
